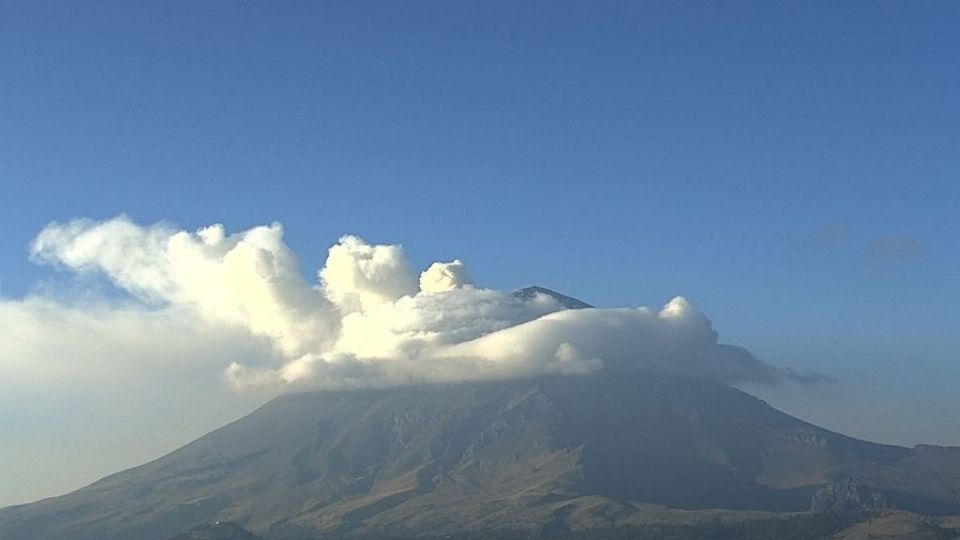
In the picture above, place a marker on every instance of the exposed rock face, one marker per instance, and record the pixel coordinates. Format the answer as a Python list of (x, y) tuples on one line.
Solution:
[(563, 452), (847, 495)]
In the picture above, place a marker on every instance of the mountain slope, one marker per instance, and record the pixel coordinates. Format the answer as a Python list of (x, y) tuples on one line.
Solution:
[(554, 451), (220, 530)]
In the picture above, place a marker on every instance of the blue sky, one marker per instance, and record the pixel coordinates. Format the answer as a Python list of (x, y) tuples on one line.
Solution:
[(790, 167)]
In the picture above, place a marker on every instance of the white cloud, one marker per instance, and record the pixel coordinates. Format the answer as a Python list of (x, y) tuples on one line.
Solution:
[(359, 276), (367, 321), (88, 389), (249, 279), (443, 277), (207, 308)]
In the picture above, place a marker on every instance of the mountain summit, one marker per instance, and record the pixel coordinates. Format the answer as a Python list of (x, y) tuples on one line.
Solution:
[(568, 452), (568, 302)]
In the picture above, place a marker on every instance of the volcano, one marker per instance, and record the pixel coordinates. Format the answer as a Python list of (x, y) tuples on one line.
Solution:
[(569, 452)]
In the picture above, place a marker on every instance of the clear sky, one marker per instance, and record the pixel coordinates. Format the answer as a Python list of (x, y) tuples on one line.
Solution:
[(793, 168)]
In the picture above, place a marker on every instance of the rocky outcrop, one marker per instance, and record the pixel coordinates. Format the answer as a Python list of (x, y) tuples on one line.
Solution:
[(845, 494)]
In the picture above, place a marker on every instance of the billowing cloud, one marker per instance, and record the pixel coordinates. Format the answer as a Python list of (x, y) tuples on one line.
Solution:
[(368, 319), (358, 276), (442, 277), (250, 279), (126, 377)]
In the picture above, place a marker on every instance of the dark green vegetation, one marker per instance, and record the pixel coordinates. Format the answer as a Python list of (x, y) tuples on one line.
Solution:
[(573, 456)]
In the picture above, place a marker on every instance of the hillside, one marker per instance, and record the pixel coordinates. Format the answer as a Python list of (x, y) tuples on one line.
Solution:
[(567, 453)]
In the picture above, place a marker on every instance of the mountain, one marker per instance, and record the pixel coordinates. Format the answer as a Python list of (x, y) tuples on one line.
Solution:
[(567, 302), (555, 453)]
